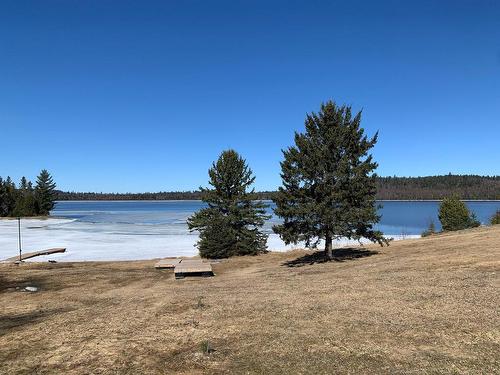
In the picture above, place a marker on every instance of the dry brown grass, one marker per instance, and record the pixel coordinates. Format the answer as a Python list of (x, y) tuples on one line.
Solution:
[(418, 306)]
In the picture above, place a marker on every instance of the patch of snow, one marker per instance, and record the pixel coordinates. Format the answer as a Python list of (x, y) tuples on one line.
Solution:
[(87, 241)]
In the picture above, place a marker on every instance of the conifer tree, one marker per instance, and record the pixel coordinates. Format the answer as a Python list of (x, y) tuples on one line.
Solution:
[(23, 185), (25, 201), (3, 198), (328, 180), (10, 196), (495, 219), (454, 215), (44, 193), (231, 223)]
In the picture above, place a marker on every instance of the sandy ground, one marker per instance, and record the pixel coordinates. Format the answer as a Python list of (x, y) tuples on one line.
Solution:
[(419, 306)]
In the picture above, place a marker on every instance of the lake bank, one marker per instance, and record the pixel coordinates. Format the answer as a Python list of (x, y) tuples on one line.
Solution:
[(423, 305), (130, 230), (105, 242)]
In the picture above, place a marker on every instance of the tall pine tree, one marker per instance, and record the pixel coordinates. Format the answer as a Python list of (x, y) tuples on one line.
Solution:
[(10, 196), (231, 223), (3, 198), (44, 193), (328, 178), (25, 202)]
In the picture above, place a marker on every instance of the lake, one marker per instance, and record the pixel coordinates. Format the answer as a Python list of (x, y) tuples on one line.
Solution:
[(119, 230), (398, 217)]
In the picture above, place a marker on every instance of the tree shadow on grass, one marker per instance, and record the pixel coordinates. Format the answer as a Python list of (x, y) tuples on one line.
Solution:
[(339, 255)]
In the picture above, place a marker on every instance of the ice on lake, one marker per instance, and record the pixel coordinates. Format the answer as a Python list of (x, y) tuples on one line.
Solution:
[(99, 241), (128, 230)]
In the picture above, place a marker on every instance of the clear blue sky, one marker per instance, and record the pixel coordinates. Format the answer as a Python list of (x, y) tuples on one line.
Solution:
[(143, 95)]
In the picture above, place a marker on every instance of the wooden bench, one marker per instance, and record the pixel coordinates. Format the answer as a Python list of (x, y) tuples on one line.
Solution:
[(192, 267)]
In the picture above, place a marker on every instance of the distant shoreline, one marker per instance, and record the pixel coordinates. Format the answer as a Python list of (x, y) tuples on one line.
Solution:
[(266, 200), (428, 188)]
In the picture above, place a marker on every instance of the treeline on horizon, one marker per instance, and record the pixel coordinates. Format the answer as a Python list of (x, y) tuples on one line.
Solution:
[(24, 199), (388, 188)]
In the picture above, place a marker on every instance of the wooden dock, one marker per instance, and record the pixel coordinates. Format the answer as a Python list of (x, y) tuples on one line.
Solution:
[(167, 263), (33, 254), (186, 267), (192, 267)]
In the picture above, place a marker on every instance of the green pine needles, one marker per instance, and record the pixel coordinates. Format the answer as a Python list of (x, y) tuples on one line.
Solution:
[(231, 223), (328, 178), (495, 219), (26, 200), (44, 192), (454, 215)]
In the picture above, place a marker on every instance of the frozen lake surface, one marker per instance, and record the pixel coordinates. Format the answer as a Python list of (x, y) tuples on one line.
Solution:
[(126, 230)]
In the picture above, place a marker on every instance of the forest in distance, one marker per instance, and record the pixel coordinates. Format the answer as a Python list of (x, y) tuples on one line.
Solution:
[(471, 187)]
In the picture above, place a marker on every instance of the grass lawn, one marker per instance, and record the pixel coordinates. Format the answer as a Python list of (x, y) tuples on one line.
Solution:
[(418, 306)]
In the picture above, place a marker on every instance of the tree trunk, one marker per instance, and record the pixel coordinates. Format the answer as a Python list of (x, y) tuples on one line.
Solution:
[(328, 246)]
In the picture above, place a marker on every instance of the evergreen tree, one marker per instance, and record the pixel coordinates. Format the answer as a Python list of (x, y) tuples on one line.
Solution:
[(454, 215), (10, 196), (231, 222), (328, 182), (23, 185), (44, 193), (3, 198), (495, 219), (218, 239), (430, 230), (25, 202)]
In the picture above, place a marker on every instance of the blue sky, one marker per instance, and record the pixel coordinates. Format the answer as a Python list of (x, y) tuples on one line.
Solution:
[(143, 95)]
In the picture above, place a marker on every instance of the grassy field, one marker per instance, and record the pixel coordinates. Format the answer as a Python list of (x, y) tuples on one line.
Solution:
[(419, 306)]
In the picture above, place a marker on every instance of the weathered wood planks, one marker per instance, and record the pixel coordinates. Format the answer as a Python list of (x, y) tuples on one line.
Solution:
[(168, 263), (186, 267), (35, 254)]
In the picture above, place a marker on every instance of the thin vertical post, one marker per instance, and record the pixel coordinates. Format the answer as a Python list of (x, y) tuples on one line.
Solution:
[(19, 234)]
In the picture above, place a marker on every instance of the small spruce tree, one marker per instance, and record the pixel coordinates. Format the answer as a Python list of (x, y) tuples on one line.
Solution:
[(495, 219), (454, 215), (328, 182), (44, 193), (231, 223), (430, 230)]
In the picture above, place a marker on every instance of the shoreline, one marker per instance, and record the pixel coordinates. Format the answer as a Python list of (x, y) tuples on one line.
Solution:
[(141, 230), (46, 258), (264, 200), (86, 241), (288, 311)]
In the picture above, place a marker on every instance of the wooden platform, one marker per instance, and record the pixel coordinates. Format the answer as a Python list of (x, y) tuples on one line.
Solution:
[(192, 267), (33, 254), (168, 263)]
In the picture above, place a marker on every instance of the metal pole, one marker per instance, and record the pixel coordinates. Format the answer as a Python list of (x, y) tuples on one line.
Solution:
[(19, 232)]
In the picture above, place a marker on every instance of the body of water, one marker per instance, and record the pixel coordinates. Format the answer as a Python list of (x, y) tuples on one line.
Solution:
[(398, 217), (119, 230)]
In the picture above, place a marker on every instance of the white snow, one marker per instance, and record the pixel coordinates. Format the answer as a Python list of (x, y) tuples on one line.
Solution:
[(87, 241)]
